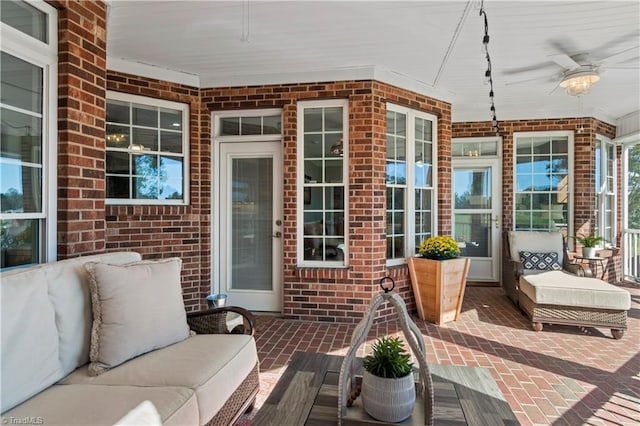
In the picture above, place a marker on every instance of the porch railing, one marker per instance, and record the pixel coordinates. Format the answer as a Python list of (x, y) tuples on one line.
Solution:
[(631, 253)]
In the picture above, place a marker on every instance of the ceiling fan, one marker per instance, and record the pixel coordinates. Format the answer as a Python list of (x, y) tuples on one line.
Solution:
[(579, 72)]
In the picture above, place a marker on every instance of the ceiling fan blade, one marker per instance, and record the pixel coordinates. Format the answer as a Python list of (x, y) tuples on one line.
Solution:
[(527, 69), (625, 55), (527, 80), (564, 61), (564, 45)]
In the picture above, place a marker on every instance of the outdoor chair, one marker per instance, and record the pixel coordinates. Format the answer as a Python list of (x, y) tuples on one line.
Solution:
[(542, 246), (540, 279)]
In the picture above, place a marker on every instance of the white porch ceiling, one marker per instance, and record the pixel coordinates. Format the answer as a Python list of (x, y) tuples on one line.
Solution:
[(432, 47)]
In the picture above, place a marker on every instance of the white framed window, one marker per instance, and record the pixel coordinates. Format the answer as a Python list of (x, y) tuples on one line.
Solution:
[(322, 183), (147, 158), (28, 105), (411, 181), (606, 190), (543, 181)]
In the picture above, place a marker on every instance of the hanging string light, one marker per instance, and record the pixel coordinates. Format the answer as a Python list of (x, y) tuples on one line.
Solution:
[(488, 73)]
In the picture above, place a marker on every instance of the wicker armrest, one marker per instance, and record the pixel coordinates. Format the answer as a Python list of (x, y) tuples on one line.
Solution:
[(214, 321), (511, 272)]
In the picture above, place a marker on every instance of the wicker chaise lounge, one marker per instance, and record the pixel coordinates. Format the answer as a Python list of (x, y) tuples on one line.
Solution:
[(533, 278), (556, 297)]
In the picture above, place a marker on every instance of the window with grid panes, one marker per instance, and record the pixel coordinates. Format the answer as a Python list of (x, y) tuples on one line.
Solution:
[(28, 96), (542, 181), (605, 184), (147, 145), (323, 137), (410, 180)]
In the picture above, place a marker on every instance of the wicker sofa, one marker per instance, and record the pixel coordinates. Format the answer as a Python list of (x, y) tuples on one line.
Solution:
[(50, 373), (549, 289)]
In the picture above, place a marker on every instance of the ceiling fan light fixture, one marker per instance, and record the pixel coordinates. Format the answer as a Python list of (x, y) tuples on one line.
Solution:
[(579, 82)]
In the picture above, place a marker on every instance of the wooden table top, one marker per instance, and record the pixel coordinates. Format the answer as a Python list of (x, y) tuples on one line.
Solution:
[(307, 394)]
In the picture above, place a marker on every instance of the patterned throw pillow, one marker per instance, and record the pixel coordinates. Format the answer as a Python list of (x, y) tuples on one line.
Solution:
[(540, 261)]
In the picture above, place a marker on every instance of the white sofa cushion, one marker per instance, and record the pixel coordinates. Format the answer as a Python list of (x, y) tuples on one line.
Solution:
[(535, 241), (213, 365), (69, 292), (29, 352), (137, 308), (560, 288), (84, 405)]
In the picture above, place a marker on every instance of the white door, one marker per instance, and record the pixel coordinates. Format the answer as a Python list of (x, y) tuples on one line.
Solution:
[(477, 213), (250, 225)]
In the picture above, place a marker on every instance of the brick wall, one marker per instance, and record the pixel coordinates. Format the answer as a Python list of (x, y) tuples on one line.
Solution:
[(81, 127), (167, 231), (584, 168), (341, 294), (86, 225)]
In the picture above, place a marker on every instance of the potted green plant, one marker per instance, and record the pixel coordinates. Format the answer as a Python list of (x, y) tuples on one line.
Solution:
[(437, 272), (388, 386), (588, 243)]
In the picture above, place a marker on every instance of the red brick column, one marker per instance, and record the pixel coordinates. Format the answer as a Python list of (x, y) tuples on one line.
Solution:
[(81, 127)]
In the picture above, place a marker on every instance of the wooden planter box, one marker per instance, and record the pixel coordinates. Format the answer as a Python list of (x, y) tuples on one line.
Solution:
[(438, 287)]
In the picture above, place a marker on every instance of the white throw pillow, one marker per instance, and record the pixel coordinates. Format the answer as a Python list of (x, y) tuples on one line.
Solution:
[(137, 307)]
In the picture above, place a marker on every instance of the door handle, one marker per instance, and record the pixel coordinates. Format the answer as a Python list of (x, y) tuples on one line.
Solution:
[(278, 234), (497, 221)]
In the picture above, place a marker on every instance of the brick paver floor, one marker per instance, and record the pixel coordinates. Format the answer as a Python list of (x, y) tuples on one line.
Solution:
[(561, 376)]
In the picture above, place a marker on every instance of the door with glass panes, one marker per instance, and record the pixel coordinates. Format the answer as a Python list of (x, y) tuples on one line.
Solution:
[(251, 224), (477, 215)]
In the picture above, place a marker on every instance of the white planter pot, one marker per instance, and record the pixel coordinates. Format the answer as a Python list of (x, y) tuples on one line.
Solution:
[(589, 252), (388, 400)]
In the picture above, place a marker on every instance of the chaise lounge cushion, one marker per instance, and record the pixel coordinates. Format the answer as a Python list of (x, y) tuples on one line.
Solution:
[(212, 366), (84, 405), (137, 308), (560, 288)]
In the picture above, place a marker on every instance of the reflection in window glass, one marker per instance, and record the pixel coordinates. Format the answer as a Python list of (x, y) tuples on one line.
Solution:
[(143, 115), (605, 186), (409, 180), (230, 126), (542, 183), (118, 112), (21, 189), (323, 151), (475, 230), (474, 147), (145, 159), (170, 119), (22, 84), (251, 125), (24, 17), (20, 242), (272, 125), (27, 228), (21, 137)]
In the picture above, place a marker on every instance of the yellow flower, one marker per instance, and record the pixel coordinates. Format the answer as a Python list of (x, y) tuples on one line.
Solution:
[(439, 248)]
